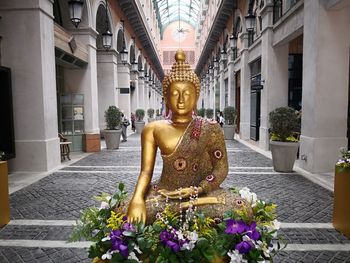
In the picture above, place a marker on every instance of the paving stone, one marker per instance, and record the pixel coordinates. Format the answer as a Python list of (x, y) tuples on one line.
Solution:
[(35, 232), (62, 195), (47, 255)]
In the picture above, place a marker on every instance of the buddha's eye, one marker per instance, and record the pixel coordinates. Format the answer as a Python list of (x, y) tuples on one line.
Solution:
[(187, 92), (175, 93)]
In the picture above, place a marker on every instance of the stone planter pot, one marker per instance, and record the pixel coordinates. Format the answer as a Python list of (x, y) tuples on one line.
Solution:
[(4, 194), (112, 138), (229, 131), (341, 212), (139, 126), (150, 119), (283, 155)]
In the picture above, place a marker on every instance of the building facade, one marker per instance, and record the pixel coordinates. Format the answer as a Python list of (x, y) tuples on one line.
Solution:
[(255, 55)]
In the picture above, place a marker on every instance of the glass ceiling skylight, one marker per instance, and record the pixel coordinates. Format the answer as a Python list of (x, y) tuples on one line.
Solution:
[(169, 11)]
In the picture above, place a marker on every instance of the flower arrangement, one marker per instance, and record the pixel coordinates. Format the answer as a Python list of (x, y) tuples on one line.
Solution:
[(343, 164), (187, 236)]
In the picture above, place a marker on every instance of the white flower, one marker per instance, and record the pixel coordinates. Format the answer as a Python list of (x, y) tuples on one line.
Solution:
[(248, 195), (108, 255), (133, 256), (235, 256), (265, 249), (104, 205), (105, 238), (138, 249), (108, 198)]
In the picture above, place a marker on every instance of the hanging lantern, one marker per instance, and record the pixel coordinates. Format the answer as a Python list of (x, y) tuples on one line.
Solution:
[(107, 39), (249, 22), (124, 55), (75, 11), (223, 55), (141, 73), (233, 42), (134, 66)]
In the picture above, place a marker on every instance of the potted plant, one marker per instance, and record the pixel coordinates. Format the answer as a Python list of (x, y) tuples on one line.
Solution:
[(158, 115), (284, 146), (230, 126), (150, 114), (113, 131), (139, 123), (209, 113), (4, 191), (341, 213), (201, 112)]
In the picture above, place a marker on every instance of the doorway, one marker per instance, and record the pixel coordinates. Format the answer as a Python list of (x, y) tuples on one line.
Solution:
[(255, 94)]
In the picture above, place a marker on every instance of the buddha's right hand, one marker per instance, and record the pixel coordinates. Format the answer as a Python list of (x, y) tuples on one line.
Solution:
[(137, 211)]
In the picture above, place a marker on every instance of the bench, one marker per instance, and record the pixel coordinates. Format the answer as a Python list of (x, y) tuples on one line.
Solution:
[(64, 147)]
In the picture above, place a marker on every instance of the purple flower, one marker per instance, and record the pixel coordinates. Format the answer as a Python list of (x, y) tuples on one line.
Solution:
[(171, 240), (173, 246), (118, 242), (235, 227), (123, 249), (244, 247), (129, 227), (252, 232)]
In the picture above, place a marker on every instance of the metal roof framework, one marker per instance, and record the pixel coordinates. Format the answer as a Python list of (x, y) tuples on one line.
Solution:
[(169, 11)]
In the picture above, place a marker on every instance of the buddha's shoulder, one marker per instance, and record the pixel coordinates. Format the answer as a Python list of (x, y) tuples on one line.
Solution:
[(156, 125), (209, 124)]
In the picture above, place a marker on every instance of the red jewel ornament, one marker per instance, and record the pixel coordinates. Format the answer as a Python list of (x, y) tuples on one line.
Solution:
[(210, 178), (180, 164), (218, 154), (195, 167), (196, 132)]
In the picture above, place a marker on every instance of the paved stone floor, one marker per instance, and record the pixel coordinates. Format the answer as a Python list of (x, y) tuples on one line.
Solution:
[(43, 212)]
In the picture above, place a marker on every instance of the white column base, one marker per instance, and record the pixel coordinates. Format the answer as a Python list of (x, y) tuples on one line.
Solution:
[(319, 155), (36, 155), (264, 138), (245, 130)]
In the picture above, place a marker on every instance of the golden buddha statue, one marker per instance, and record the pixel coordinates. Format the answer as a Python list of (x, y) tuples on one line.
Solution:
[(193, 152)]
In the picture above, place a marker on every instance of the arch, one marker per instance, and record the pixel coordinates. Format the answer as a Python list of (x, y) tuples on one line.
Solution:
[(102, 23), (65, 16), (121, 43), (139, 62), (132, 53)]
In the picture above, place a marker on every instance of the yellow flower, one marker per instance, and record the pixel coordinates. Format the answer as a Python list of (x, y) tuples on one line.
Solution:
[(115, 220)]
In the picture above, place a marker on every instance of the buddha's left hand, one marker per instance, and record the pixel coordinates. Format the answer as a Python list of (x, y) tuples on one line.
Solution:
[(181, 193)]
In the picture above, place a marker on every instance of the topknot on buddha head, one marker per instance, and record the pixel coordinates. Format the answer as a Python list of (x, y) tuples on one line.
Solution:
[(181, 71)]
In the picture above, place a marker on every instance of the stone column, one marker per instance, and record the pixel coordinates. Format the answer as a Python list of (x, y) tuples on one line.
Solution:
[(245, 90), (212, 91), (231, 81), (107, 67), (27, 31), (325, 85), (274, 66), (222, 86), (124, 88), (146, 98), (141, 88), (85, 81), (134, 99)]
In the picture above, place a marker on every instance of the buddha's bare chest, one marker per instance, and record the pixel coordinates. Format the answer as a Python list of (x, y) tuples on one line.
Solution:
[(167, 139)]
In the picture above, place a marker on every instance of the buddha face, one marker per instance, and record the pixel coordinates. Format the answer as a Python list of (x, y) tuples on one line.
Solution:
[(181, 97)]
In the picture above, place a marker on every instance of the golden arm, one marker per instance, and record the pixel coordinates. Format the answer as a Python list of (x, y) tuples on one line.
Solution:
[(137, 207)]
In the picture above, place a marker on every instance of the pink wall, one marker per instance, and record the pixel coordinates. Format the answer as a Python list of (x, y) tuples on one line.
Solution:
[(170, 43)]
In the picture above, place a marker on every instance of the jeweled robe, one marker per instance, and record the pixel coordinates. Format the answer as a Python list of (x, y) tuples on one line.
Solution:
[(199, 159)]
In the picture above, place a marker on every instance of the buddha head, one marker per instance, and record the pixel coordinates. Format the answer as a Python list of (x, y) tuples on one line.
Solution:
[(181, 87)]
